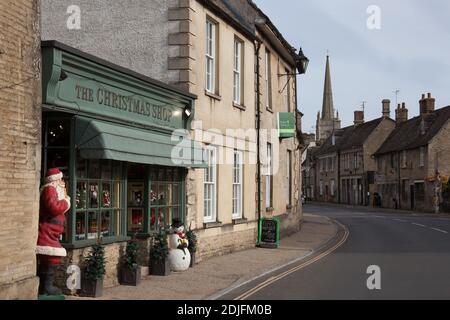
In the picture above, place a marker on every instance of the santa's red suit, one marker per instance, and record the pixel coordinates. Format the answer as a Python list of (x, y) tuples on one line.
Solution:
[(53, 206)]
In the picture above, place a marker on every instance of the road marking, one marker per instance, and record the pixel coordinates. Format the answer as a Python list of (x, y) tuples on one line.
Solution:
[(439, 230), (273, 279), (418, 224), (400, 220)]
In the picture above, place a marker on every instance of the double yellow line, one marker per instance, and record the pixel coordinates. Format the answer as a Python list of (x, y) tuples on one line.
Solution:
[(273, 279)]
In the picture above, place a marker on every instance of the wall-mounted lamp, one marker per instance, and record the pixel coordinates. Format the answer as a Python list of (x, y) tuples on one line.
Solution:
[(301, 62)]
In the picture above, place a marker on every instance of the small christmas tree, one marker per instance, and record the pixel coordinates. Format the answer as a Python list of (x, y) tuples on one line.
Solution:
[(192, 238), (131, 254), (95, 263), (160, 247)]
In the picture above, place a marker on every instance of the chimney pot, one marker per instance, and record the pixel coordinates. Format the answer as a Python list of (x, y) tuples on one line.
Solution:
[(427, 105), (386, 108), (359, 117), (401, 114), (423, 96)]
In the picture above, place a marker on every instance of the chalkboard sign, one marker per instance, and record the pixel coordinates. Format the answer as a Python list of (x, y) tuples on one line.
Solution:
[(269, 232)]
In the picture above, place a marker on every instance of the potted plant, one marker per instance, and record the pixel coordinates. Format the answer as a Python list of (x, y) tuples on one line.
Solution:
[(130, 273), (192, 247), (159, 263), (92, 280)]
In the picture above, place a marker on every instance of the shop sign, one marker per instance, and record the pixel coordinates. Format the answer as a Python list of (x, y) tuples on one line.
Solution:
[(286, 125), (72, 81)]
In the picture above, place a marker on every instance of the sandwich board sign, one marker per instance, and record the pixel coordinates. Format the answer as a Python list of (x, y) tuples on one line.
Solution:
[(269, 232)]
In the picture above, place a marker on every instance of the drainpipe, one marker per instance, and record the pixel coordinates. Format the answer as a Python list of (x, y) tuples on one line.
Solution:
[(257, 44)]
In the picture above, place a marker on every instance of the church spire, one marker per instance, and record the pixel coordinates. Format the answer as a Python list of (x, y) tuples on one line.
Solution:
[(327, 105)]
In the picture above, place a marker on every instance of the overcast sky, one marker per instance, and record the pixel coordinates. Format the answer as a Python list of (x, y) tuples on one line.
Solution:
[(411, 52)]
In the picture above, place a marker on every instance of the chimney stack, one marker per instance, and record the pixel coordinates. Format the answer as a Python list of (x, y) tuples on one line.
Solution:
[(359, 117), (386, 108), (401, 113), (427, 104)]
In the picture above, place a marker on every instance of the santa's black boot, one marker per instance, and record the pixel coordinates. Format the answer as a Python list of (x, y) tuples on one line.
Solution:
[(49, 288)]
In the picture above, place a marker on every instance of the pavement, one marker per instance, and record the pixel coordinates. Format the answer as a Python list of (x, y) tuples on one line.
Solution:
[(215, 277), (385, 256)]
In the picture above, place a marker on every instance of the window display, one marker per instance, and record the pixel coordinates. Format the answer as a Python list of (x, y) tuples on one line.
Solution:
[(98, 201)]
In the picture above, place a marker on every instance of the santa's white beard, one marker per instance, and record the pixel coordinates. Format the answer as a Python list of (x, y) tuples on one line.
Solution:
[(61, 192)]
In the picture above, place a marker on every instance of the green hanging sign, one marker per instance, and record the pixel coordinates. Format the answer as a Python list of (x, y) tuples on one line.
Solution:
[(286, 125), (269, 232)]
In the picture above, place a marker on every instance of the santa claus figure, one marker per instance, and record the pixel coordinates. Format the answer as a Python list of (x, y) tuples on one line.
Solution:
[(54, 204)]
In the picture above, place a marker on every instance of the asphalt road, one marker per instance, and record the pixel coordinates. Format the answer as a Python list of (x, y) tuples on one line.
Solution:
[(411, 251)]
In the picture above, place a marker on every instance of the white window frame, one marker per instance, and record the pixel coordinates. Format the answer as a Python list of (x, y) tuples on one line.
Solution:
[(332, 185), (269, 176), (267, 79), (321, 188), (237, 200), (210, 185), (210, 53), (422, 157), (237, 71)]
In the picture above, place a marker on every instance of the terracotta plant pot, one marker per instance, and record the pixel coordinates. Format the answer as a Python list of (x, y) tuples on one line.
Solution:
[(130, 277), (160, 267), (91, 288)]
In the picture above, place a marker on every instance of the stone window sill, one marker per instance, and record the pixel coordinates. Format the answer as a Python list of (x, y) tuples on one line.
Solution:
[(211, 225), (269, 109), (270, 209), (239, 106), (240, 221), (213, 96)]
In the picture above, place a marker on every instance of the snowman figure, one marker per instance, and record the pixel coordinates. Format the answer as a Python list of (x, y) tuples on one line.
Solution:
[(179, 255)]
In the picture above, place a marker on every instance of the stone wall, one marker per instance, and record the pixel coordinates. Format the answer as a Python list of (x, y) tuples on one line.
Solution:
[(20, 138), (132, 34), (226, 239)]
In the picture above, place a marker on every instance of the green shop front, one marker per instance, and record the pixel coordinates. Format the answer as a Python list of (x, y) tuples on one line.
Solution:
[(123, 143)]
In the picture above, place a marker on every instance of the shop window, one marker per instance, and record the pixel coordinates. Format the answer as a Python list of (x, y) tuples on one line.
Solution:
[(56, 149), (165, 197), (98, 199)]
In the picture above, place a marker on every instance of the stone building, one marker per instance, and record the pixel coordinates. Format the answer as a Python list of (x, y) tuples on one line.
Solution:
[(209, 49), (413, 164), (344, 163), (20, 145)]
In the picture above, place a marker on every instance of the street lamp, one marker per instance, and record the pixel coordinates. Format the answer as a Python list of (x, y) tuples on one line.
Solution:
[(301, 62)]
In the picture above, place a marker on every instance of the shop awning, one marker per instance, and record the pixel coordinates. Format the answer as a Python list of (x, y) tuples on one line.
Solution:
[(97, 139)]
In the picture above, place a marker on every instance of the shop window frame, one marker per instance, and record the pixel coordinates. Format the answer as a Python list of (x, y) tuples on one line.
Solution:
[(69, 241)]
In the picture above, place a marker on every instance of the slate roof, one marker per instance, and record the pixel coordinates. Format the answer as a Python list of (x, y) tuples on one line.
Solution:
[(349, 137), (415, 132)]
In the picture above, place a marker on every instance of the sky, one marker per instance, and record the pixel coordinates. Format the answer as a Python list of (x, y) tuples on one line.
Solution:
[(406, 49)]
